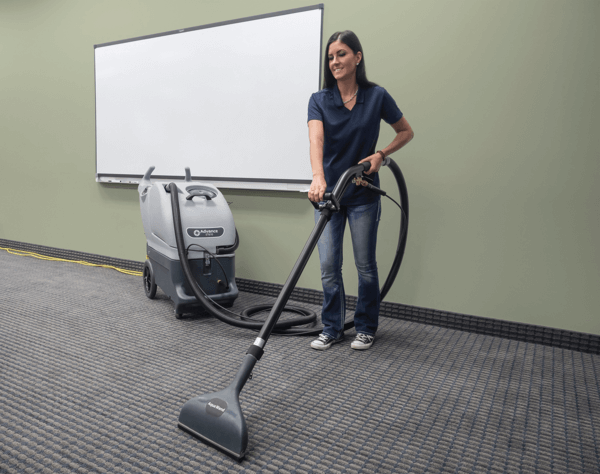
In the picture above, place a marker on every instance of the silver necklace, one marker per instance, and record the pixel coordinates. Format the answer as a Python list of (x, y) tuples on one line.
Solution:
[(352, 97)]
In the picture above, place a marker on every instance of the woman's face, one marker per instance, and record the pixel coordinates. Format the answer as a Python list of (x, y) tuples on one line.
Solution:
[(342, 60)]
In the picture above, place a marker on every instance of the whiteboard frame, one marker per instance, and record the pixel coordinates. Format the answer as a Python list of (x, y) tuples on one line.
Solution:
[(234, 183)]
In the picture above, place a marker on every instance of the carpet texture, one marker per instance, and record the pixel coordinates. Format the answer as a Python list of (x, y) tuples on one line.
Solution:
[(93, 375)]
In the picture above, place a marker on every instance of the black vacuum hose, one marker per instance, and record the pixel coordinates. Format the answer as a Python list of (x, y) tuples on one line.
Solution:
[(199, 294), (402, 236), (287, 327), (395, 169)]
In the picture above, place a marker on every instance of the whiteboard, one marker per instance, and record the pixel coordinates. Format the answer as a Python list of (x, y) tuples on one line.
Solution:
[(229, 100)]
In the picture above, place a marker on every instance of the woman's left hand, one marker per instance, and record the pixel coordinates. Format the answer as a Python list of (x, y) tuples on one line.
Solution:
[(376, 161)]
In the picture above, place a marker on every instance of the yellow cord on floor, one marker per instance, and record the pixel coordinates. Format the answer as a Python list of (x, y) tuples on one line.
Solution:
[(24, 253)]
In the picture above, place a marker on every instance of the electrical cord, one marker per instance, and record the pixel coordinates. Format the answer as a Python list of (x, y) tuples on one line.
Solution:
[(24, 253)]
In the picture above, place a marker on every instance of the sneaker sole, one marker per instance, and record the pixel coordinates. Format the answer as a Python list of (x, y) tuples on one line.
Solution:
[(321, 348), (328, 346), (361, 348)]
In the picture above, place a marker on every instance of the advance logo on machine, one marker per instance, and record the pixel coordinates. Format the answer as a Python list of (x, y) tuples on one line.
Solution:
[(205, 232), (216, 407)]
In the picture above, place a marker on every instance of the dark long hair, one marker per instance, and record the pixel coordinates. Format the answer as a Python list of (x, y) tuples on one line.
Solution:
[(351, 40)]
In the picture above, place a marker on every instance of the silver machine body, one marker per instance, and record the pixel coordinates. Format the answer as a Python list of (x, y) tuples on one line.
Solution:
[(209, 235)]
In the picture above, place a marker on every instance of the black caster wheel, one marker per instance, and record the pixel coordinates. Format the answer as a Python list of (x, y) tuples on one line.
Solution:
[(149, 283), (178, 315)]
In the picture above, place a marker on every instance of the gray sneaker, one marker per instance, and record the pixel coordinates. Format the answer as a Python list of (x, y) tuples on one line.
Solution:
[(362, 341), (324, 342)]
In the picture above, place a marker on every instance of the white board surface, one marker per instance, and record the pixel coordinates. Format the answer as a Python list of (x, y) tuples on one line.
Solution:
[(228, 100)]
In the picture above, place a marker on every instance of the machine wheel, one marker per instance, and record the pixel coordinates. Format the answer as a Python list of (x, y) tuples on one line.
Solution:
[(149, 283), (178, 315)]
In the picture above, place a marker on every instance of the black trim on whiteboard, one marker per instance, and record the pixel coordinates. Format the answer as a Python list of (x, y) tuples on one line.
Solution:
[(222, 23)]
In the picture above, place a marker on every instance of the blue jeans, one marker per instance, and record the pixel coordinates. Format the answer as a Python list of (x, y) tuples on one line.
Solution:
[(363, 221)]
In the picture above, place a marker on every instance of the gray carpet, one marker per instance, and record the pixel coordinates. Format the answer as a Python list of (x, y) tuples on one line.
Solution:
[(93, 374)]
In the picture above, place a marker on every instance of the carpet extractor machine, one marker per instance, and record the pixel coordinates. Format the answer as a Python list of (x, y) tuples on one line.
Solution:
[(191, 240), (210, 242)]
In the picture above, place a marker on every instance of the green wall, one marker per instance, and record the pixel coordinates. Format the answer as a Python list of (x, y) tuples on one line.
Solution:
[(503, 171)]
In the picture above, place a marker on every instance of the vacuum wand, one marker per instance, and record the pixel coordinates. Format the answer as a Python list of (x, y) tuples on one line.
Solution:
[(217, 418)]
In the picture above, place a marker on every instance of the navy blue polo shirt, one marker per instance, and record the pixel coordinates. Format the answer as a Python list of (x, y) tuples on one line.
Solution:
[(351, 135)]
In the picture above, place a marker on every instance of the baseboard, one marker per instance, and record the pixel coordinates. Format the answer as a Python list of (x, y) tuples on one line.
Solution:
[(560, 338)]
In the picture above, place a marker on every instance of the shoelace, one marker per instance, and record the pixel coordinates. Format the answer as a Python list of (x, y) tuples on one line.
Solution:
[(324, 337), (364, 338)]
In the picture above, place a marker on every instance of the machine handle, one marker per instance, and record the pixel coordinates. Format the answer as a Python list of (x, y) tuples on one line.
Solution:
[(200, 193), (146, 182)]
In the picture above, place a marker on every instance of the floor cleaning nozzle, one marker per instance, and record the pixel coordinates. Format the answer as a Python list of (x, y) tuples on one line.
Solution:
[(217, 419)]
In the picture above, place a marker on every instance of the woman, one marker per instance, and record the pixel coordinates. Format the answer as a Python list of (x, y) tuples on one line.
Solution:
[(343, 124)]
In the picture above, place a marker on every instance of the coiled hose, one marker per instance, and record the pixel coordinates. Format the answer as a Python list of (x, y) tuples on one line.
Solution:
[(289, 326)]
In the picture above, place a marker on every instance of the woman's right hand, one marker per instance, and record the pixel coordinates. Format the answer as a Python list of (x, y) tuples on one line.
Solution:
[(317, 188)]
